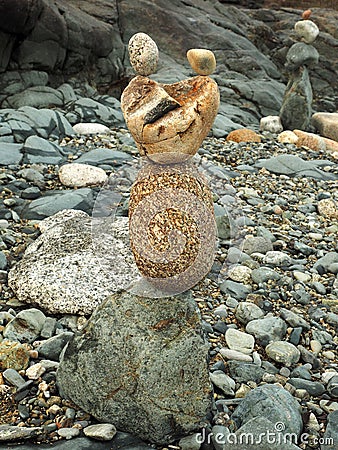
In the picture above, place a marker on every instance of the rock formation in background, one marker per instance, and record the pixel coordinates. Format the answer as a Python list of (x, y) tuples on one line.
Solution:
[(46, 43), (296, 109)]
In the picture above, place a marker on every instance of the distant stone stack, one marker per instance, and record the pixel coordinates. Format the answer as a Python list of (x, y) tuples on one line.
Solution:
[(296, 108)]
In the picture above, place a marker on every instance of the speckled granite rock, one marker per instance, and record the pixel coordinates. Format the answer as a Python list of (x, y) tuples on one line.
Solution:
[(63, 271), (172, 225)]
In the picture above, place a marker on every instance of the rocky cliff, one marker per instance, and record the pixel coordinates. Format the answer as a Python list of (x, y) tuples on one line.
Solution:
[(45, 43)]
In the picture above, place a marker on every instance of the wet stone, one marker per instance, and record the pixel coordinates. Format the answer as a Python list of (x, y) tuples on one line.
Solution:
[(243, 372), (314, 388), (267, 329), (283, 352)]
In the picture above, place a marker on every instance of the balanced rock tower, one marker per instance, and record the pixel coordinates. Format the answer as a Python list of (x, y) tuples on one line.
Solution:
[(296, 108), (141, 361)]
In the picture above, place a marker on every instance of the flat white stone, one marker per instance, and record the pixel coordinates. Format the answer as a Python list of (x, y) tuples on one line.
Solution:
[(100, 431), (240, 341), (235, 355), (90, 128)]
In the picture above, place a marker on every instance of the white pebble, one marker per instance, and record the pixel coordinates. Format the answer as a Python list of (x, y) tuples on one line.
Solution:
[(35, 371), (307, 30), (81, 175), (239, 273), (316, 346), (100, 431), (273, 124), (234, 355), (301, 276), (90, 128)]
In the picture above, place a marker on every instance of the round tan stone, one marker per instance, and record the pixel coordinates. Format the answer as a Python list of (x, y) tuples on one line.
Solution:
[(306, 14), (143, 54), (326, 124), (243, 135), (171, 225), (287, 137), (13, 355), (328, 207), (202, 61)]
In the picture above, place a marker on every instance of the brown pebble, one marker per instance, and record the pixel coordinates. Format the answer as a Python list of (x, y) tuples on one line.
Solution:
[(306, 14), (243, 135)]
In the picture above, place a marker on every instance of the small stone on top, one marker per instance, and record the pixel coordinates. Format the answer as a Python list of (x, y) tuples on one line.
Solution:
[(202, 61), (306, 14), (143, 54)]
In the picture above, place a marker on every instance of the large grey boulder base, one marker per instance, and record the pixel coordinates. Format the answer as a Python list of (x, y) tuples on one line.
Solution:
[(141, 364)]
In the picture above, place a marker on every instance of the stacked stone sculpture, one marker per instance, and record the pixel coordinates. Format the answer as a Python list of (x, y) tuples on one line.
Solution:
[(140, 362), (296, 108), (172, 226)]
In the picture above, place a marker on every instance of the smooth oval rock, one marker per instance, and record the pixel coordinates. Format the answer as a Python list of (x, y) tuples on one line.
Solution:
[(81, 175), (202, 61), (143, 54), (307, 30), (283, 352), (90, 128)]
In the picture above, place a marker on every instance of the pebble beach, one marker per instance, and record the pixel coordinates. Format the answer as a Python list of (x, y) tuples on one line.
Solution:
[(269, 305)]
